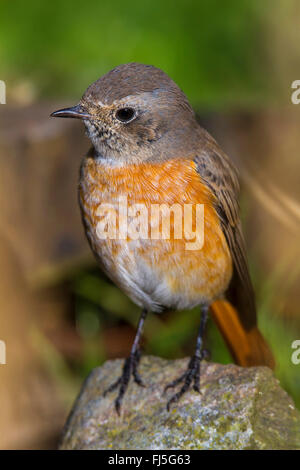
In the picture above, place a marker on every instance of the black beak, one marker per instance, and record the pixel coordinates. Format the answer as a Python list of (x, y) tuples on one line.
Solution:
[(74, 112)]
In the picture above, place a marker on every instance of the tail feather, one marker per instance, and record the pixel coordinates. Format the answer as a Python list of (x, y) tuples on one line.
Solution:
[(248, 347)]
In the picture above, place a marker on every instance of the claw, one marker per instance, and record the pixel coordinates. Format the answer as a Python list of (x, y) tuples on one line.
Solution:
[(112, 387), (137, 379), (191, 375), (129, 368), (175, 382)]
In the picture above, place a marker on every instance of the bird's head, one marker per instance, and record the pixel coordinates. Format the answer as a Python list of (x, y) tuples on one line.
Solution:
[(134, 113)]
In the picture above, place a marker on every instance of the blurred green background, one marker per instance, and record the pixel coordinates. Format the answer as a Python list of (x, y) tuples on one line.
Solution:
[(234, 58), (216, 52)]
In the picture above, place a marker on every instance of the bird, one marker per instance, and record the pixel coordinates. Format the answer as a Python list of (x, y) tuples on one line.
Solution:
[(149, 150)]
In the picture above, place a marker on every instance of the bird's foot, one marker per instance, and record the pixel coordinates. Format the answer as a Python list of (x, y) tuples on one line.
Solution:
[(129, 369), (191, 375)]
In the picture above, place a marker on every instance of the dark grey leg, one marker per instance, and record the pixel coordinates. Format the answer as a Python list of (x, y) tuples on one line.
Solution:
[(192, 374), (130, 366)]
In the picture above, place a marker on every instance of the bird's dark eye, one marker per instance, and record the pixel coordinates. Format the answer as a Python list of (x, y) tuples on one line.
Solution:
[(125, 114)]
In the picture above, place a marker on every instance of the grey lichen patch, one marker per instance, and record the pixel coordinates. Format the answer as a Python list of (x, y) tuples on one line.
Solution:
[(238, 408)]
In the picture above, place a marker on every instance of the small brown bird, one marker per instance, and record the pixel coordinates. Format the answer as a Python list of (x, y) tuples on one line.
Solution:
[(149, 150)]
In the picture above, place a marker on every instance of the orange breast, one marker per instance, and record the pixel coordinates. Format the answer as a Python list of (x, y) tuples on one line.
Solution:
[(185, 277)]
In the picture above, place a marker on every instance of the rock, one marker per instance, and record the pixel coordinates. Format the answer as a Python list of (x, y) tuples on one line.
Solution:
[(239, 408)]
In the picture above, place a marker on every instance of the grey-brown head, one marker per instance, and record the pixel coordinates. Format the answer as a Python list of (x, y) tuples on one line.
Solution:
[(135, 113)]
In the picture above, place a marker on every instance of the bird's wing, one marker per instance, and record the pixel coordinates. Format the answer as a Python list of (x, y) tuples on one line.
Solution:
[(221, 177)]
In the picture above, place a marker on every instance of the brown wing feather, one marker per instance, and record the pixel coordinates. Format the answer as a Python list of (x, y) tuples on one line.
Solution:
[(221, 176)]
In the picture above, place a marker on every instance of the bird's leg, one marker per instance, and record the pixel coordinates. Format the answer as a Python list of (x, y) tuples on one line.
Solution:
[(192, 374), (130, 366)]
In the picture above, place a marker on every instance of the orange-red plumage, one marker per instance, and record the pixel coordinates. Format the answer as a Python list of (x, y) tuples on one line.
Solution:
[(207, 271)]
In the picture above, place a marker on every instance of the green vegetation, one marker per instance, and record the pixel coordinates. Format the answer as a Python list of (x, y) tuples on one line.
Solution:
[(212, 49)]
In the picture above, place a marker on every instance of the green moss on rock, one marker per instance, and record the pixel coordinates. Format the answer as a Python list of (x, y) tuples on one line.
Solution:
[(239, 408)]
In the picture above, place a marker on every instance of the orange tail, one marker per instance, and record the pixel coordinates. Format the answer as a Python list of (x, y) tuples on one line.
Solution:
[(248, 348)]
